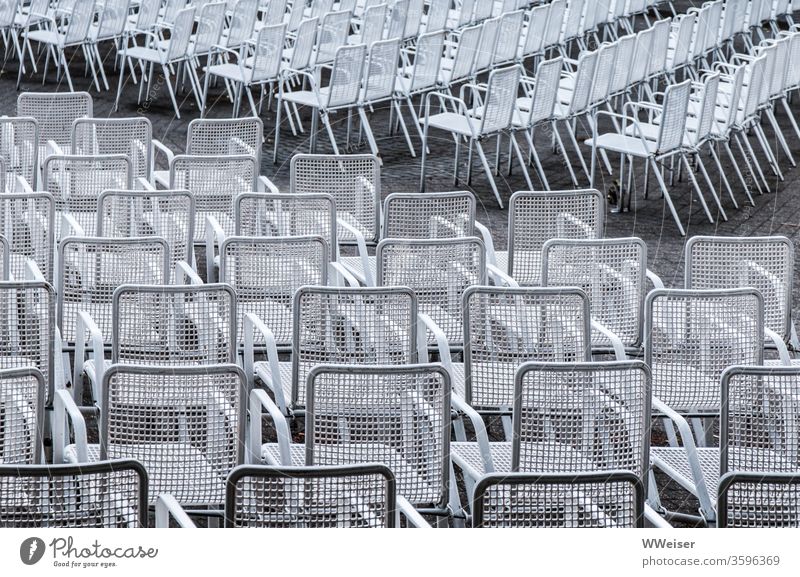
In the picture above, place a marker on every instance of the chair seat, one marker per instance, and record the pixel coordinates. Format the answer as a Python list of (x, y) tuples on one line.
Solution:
[(675, 462), (261, 369), (355, 265), (307, 97), (231, 72), (45, 37), (452, 122), (144, 53), (685, 388), (624, 144)]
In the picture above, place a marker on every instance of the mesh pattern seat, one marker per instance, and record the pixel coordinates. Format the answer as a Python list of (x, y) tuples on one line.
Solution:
[(27, 223), (27, 329), (361, 496), (352, 180), (22, 397), (612, 273), (266, 271), (536, 217), (130, 137), (109, 494), (589, 500), (439, 271), (19, 149)]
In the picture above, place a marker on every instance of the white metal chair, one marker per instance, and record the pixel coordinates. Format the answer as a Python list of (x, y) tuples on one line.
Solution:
[(22, 398), (27, 223)]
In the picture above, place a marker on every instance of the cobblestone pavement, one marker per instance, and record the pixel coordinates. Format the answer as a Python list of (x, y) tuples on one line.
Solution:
[(777, 212)]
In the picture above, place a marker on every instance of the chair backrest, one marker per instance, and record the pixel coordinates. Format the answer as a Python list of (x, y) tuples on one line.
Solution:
[(620, 76), (373, 23), (438, 270), (759, 500), (396, 415), (173, 325), (466, 50), (584, 78), (413, 19), (465, 13), (603, 74), (714, 23), (90, 269), (181, 34), (501, 99), (19, 150), (147, 15), (307, 214), (8, 12), (779, 73), (353, 326), (766, 10), (101, 495), (765, 263), (730, 102), (380, 73), (427, 61), (113, 19), (168, 214), (296, 15), (171, 9), (81, 17), (612, 272), (243, 20), (558, 9), (572, 21), (345, 80), (225, 136), (361, 496), (673, 122), (200, 411), (397, 19), (210, 23), (428, 215), (691, 336), (5, 258), (55, 112), (506, 327), (640, 64), (538, 20), (333, 31), (509, 33), (354, 182), (482, 10), (490, 33), (321, 7), (708, 108), (132, 137), (659, 48), (755, 88), (275, 12), (793, 72), (304, 44), (265, 272), (438, 14), (27, 223), (268, 53), (536, 217), (214, 181), (683, 30), (550, 500), (22, 402)]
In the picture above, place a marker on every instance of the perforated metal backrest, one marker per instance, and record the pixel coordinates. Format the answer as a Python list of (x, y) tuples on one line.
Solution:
[(466, 50), (754, 89), (438, 14), (793, 72), (465, 13), (268, 53), (243, 20), (427, 61), (8, 10), (765, 263), (100, 495), (27, 223), (81, 17), (113, 19), (640, 65), (535, 37), (55, 112), (27, 328), (171, 9), (683, 39), (380, 73), (364, 326), (214, 181), (275, 12), (273, 215), (90, 269), (22, 401), (361, 496), (714, 19), (296, 15), (304, 43), (373, 22), (572, 21), (777, 84), (413, 19), (501, 97), (603, 71), (397, 19), (184, 424), (168, 214), (266, 272), (490, 32), (708, 108), (333, 30), (345, 80), (354, 182), (225, 137), (19, 149), (321, 7), (584, 78), (439, 271), (131, 137), (536, 217), (428, 215), (612, 272), (147, 15), (621, 73), (673, 122), (509, 33), (179, 41), (759, 500), (548, 501), (558, 10), (691, 336), (396, 415), (506, 327)]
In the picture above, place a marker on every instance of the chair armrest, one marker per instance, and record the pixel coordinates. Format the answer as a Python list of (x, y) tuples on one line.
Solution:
[(215, 236), (22, 185), (141, 183), (486, 237), (159, 146), (184, 270), (481, 435), (616, 343), (86, 329), (258, 400), (65, 411), (425, 324), (413, 518), (655, 279), (362, 250), (32, 271), (500, 276), (338, 271), (656, 520), (68, 223), (266, 185), (52, 149), (783, 351), (168, 507), (251, 324)]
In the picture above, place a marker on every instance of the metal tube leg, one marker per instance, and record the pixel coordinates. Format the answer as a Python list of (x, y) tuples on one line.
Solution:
[(537, 161), (521, 159), (560, 145), (278, 109), (724, 178), (741, 138), (577, 149), (488, 170), (171, 90), (762, 140), (781, 140), (696, 187), (726, 145), (667, 197), (424, 156), (373, 146), (711, 187), (329, 128), (403, 127)]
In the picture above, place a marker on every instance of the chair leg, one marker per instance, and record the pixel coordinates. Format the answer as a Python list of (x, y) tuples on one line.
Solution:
[(119, 84), (278, 109), (788, 110), (403, 127), (537, 161), (742, 138), (711, 187), (779, 134), (757, 174), (487, 169), (762, 140), (726, 145), (521, 159), (326, 121), (373, 146), (100, 66), (560, 145), (667, 197), (696, 187), (724, 178), (170, 89), (424, 156), (66, 71)]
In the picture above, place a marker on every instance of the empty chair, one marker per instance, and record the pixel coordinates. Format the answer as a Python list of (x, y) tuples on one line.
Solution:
[(354, 182), (613, 499), (201, 437), (132, 137), (374, 326), (54, 113), (331, 36), (27, 222), (692, 336), (22, 400), (306, 497), (395, 415), (107, 494), (110, 27), (536, 217), (19, 149)]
